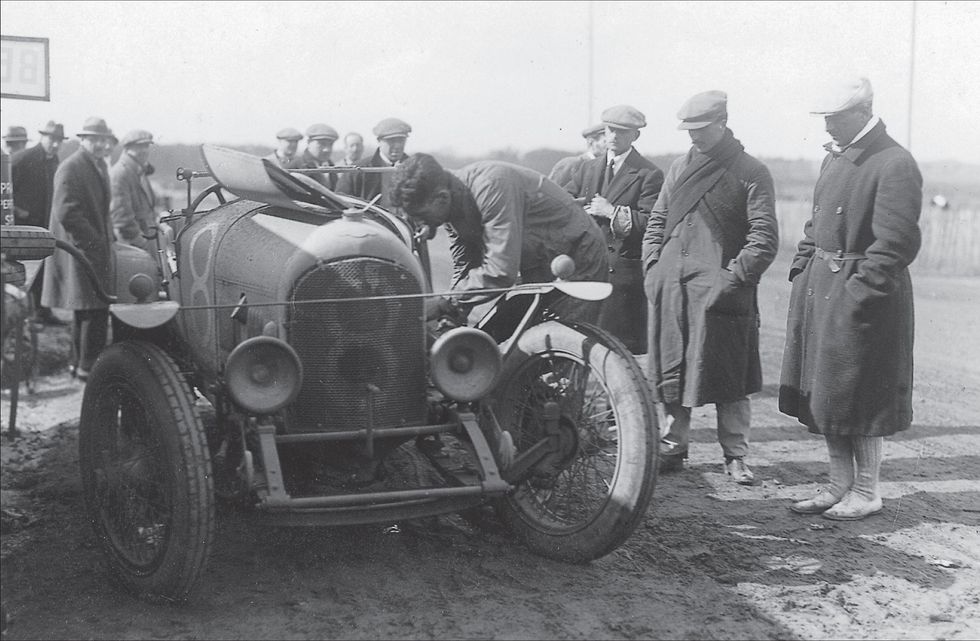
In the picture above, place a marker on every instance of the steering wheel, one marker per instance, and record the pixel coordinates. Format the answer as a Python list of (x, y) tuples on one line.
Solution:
[(216, 189)]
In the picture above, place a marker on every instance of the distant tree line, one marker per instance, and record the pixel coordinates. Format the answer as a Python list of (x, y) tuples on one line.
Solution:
[(794, 179)]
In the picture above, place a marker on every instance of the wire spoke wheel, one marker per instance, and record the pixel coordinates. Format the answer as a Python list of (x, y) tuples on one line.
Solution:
[(576, 396), (145, 471)]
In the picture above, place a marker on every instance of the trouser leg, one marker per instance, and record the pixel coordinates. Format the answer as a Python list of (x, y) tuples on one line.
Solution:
[(734, 420), (679, 428), (92, 330), (867, 455), (841, 464)]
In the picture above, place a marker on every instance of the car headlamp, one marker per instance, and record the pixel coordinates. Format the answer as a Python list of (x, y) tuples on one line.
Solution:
[(263, 374), (465, 363)]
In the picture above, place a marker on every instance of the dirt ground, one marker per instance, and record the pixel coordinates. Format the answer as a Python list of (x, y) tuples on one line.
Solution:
[(712, 560)]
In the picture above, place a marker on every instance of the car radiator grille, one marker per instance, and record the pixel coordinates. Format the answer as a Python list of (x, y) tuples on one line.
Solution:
[(349, 347)]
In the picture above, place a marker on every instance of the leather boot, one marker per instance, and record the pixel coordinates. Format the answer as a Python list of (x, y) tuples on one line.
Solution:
[(841, 456), (862, 500)]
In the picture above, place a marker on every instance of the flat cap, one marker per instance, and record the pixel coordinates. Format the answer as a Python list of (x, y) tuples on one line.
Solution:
[(588, 132), (700, 110), (624, 117), (391, 128), (321, 131), (96, 126), (137, 137), (53, 129), (289, 134), (843, 95), (15, 134)]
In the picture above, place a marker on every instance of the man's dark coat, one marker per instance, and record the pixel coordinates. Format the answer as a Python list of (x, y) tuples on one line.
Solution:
[(847, 366), (79, 216)]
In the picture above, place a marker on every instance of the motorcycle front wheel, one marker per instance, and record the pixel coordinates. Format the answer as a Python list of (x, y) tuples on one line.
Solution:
[(576, 402)]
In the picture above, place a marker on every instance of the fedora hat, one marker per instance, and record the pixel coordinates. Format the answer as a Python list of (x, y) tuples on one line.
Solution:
[(53, 129), (96, 127), (15, 134)]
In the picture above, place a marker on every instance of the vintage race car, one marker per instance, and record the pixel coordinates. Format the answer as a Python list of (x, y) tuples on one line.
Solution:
[(278, 356)]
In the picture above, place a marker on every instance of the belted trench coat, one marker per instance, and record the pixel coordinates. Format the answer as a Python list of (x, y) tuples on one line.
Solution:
[(847, 366)]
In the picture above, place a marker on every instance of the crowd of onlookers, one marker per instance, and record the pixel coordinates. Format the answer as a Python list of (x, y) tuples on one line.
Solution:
[(683, 248)]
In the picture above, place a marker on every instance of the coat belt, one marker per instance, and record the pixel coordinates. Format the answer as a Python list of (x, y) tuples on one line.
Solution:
[(834, 259)]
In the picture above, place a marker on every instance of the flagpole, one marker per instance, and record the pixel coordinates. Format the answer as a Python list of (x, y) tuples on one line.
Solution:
[(911, 79), (591, 61)]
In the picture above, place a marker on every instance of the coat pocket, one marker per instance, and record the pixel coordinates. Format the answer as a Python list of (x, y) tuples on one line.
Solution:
[(730, 297)]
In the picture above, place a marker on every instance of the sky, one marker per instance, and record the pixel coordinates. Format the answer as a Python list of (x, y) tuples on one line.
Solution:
[(474, 77)]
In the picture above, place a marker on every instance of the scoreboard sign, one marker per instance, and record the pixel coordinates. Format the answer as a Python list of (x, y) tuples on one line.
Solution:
[(24, 69)]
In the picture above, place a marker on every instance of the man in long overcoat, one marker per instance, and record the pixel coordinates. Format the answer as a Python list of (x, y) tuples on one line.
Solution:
[(133, 203), (619, 189), (595, 145), (32, 174), (392, 134), (847, 367), (80, 217), (505, 223), (710, 237)]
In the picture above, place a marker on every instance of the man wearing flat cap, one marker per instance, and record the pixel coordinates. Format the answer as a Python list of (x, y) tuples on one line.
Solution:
[(710, 237), (287, 143), (32, 175), (847, 365), (80, 217), (392, 134), (319, 145), (595, 146), (15, 139), (619, 189), (133, 207)]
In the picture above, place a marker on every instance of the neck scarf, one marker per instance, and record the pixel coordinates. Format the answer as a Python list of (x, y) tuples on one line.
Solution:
[(703, 171)]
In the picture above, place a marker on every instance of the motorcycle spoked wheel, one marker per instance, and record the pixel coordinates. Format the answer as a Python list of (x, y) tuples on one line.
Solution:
[(585, 498), (145, 472)]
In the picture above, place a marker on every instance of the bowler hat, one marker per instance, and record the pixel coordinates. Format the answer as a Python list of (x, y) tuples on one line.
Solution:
[(391, 128), (96, 126), (320, 131), (843, 95), (624, 117), (137, 137), (15, 134), (588, 132), (700, 110), (53, 129), (289, 134)]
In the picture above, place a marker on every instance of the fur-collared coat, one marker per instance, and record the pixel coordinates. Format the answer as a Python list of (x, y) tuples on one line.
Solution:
[(847, 366), (80, 217)]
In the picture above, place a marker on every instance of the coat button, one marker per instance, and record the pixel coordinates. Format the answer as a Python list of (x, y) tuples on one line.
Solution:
[(840, 210), (684, 252), (690, 223), (809, 291), (816, 209)]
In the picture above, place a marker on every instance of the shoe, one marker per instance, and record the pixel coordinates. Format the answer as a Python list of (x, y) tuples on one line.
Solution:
[(816, 504), (853, 507), (671, 462), (739, 471), (46, 317), (671, 457)]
